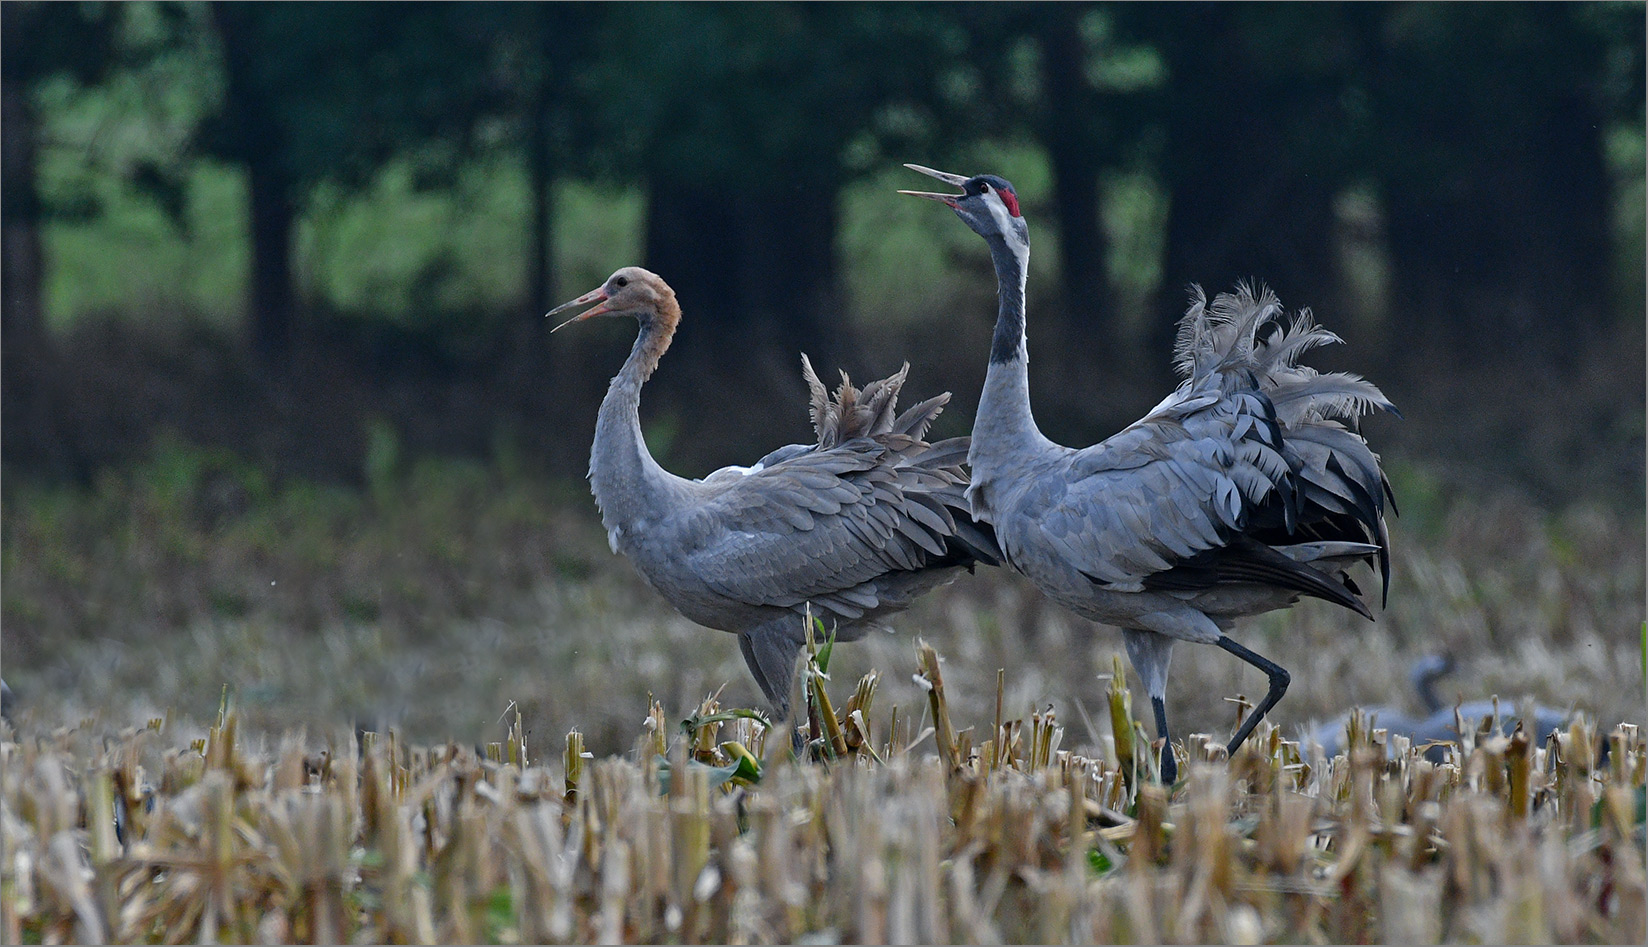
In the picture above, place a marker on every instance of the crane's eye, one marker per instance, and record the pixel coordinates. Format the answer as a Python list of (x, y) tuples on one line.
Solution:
[(621, 282)]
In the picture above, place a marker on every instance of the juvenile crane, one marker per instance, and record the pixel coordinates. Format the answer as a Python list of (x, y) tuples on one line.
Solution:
[(1238, 493), (853, 528)]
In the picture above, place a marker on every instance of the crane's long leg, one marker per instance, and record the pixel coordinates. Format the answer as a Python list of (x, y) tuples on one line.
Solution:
[(770, 651), (1170, 767), (1279, 679), (1151, 653), (746, 645)]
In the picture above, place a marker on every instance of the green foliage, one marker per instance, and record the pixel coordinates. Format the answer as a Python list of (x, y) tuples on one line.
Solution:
[(343, 88), (400, 131), (1422, 498), (131, 257), (412, 142), (1627, 154), (741, 772), (215, 538), (1135, 221)]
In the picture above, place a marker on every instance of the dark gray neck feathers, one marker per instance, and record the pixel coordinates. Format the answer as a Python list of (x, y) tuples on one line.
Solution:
[(1008, 343)]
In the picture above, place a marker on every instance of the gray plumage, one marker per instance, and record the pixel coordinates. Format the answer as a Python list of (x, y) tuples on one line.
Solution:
[(1244, 489), (850, 529), (1442, 722)]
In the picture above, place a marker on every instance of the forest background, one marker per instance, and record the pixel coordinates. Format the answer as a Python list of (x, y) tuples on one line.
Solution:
[(281, 411)]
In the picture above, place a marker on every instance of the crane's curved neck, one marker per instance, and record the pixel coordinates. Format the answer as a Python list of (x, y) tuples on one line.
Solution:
[(1012, 262), (1004, 424), (630, 486)]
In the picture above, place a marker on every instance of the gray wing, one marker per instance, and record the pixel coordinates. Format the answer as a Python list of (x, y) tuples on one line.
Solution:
[(825, 525), (1207, 489), (1244, 474), (1179, 482)]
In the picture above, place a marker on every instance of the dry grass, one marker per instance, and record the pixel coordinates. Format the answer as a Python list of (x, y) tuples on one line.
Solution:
[(471, 618), (448, 594), (714, 832)]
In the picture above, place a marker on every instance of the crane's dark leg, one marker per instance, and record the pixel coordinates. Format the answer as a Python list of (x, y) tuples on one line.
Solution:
[(1279, 679), (746, 645), (1170, 767), (770, 651), (1151, 653)]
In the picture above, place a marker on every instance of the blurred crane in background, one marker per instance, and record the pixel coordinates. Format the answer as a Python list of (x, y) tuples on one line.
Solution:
[(1235, 495), (850, 529), (1442, 722)]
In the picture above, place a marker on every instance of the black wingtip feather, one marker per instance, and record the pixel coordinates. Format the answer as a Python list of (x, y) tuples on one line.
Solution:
[(1249, 560)]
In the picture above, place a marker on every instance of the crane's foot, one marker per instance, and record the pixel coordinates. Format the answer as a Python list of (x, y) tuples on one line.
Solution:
[(1170, 766), (1279, 680)]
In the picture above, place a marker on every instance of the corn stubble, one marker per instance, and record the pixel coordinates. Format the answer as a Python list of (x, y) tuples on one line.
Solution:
[(897, 828)]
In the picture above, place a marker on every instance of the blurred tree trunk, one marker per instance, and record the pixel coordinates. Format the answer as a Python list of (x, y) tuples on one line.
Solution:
[(790, 275), (755, 274), (1250, 178), (757, 270), (1238, 215), (549, 27), (1515, 260), (30, 434), (273, 320), (22, 315), (693, 242), (41, 402), (1497, 194), (254, 135), (1076, 159), (540, 275)]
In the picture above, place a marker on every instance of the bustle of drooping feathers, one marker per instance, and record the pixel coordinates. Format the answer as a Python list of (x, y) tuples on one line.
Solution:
[(1244, 339), (867, 412)]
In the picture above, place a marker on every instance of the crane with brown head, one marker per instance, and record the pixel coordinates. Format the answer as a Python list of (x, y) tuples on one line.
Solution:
[(850, 529)]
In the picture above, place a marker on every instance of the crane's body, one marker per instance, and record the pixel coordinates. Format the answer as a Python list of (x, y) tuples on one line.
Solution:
[(1101, 530), (850, 530), (747, 546), (1443, 722), (1238, 493)]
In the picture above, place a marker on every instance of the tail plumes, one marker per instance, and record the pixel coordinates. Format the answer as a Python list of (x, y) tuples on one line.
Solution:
[(852, 412), (1244, 338)]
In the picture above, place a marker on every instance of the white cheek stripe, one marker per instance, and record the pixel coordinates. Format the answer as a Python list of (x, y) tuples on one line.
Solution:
[(1004, 220)]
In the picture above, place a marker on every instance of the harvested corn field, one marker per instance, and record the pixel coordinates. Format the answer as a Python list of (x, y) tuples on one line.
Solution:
[(902, 827)]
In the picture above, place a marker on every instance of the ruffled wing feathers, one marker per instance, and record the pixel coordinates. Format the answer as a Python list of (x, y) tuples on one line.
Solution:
[(1241, 338)]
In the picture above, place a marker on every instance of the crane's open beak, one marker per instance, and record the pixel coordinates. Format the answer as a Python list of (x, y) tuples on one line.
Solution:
[(957, 179), (598, 294)]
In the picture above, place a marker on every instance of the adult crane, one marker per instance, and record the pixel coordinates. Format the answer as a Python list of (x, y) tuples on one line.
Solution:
[(1443, 721), (850, 529), (1238, 493)]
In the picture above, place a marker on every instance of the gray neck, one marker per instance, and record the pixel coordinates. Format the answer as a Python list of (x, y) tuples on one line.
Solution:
[(629, 485), (1004, 427)]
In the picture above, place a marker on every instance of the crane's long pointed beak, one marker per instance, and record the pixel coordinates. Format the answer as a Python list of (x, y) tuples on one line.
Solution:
[(957, 179), (946, 198), (599, 294), (945, 176)]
